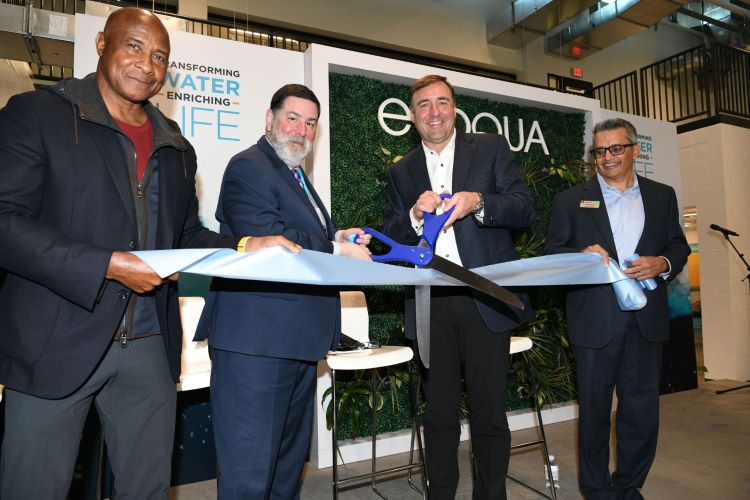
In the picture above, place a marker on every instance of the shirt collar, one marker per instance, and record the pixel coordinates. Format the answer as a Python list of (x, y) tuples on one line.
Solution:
[(449, 148), (607, 188)]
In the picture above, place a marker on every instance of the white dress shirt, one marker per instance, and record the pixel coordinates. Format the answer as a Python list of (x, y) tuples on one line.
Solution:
[(440, 170)]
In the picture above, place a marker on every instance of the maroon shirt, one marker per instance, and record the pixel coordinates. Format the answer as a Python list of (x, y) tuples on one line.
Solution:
[(142, 137)]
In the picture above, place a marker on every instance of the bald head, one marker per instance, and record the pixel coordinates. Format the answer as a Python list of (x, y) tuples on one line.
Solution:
[(133, 53), (129, 16)]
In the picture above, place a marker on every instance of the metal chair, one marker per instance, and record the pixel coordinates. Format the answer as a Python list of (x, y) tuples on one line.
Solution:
[(518, 345), (355, 324)]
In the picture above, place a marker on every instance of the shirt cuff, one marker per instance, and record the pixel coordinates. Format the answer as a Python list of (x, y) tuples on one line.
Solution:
[(666, 273), (416, 225), (336, 248)]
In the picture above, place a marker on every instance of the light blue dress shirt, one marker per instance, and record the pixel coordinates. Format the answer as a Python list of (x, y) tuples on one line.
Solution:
[(626, 216)]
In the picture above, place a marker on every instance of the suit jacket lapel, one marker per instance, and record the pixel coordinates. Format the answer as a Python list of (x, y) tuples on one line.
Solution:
[(289, 178), (593, 192), (462, 158), (92, 110), (649, 206), (167, 185), (418, 170), (111, 150), (329, 224)]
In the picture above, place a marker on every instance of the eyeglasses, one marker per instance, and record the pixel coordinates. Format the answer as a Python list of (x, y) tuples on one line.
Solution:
[(615, 149)]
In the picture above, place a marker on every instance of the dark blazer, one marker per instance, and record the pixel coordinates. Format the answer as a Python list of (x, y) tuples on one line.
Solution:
[(482, 163), (260, 197), (65, 205), (592, 310)]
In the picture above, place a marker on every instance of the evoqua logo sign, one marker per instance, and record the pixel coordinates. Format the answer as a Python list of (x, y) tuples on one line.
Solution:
[(523, 142)]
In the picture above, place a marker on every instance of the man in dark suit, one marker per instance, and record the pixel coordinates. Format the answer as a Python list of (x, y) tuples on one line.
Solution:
[(470, 332), (266, 338), (91, 170), (618, 214)]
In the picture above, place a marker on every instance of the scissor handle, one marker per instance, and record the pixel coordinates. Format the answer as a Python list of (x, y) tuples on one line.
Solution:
[(418, 256), (433, 224)]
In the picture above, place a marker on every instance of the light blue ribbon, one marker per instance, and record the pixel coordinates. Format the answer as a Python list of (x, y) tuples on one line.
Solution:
[(318, 268)]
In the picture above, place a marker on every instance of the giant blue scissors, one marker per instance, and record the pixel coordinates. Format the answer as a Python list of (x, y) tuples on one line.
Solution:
[(423, 255)]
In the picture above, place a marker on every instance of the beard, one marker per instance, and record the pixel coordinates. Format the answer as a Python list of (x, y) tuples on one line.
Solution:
[(284, 147)]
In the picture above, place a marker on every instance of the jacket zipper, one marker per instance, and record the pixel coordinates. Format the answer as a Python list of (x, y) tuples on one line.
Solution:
[(130, 313)]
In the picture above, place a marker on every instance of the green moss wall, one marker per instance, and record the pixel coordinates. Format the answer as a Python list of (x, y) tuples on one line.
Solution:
[(361, 151)]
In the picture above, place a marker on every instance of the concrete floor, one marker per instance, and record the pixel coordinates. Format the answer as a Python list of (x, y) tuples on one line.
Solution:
[(703, 454)]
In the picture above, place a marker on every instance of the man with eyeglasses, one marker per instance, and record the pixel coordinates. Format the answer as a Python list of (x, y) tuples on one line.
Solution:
[(621, 215)]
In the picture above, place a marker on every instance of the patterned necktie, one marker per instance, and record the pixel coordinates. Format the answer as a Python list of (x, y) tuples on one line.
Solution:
[(297, 171), (298, 175)]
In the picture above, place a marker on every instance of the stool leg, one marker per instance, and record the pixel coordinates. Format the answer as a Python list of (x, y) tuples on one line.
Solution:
[(553, 492), (334, 440), (374, 429), (415, 433), (374, 472)]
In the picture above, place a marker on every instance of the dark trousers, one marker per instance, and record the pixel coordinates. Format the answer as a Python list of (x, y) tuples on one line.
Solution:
[(461, 344), (134, 395), (262, 414), (630, 365)]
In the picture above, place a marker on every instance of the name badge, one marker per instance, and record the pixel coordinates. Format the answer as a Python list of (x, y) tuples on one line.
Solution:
[(589, 204)]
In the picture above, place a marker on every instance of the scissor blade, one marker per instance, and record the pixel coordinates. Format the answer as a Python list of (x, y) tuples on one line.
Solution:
[(474, 280), (422, 303)]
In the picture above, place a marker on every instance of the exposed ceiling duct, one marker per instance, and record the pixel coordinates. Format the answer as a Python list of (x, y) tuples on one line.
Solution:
[(35, 35), (45, 37), (606, 24), (523, 20), (719, 21)]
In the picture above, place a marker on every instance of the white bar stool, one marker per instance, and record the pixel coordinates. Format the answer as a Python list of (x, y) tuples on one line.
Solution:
[(518, 345), (355, 324)]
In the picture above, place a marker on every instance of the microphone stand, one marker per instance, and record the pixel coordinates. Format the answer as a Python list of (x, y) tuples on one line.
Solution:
[(747, 267)]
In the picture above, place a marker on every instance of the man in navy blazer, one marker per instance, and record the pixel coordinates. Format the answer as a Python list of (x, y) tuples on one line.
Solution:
[(618, 214), (266, 338), (470, 332)]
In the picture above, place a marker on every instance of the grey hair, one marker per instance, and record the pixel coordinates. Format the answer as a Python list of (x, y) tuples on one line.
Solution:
[(616, 123)]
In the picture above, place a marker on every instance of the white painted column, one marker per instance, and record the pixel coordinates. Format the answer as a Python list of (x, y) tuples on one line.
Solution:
[(714, 163)]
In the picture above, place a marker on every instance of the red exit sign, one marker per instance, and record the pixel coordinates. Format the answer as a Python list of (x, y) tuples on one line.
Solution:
[(576, 71)]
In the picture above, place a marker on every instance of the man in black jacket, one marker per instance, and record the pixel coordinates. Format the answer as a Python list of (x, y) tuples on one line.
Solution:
[(92, 171)]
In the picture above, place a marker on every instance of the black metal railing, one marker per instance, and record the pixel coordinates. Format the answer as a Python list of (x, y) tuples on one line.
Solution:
[(705, 82), (678, 88), (245, 33), (620, 94), (731, 69), (63, 6)]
